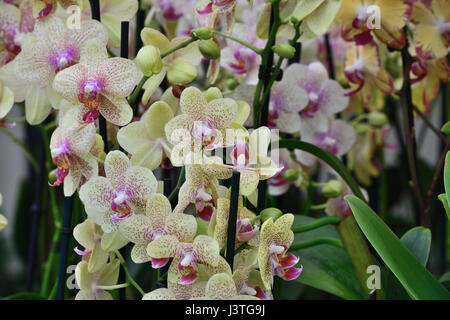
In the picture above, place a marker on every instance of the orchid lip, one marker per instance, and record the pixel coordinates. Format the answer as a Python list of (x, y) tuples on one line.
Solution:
[(81, 252)]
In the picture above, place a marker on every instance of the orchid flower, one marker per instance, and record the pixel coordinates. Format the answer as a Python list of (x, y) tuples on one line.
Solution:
[(222, 287), (199, 188), (245, 230), (71, 154), (202, 121), (43, 8), (99, 84), (337, 139), (14, 24), (357, 16), (317, 16), (96, 244), (202, 250), (146, 139), (157, 222), (306, 89), (92, 284), (247, 279), (427, 76), (240, 59), (124, 191), (279, 184), (432, 29), (338, 206), (363, 69), (3, 220), (54, 48), (208, 12), (113, 12), (250, 160), (276, 239)]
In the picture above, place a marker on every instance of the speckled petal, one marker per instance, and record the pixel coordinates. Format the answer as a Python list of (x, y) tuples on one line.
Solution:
[(160, 294), (156, 118), (163, 247), (121, 76), (183, 226), (139, 254), (206, 250), (115, 109), (158, 210), (136, 228), (193, 103), (67, 81), (248, 182), (140, 185), (220, 287), (220, 113), (116, 166)]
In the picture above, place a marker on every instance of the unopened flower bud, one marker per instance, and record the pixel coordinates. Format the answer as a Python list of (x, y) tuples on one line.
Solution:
[(284, 50), (268, 213), (209, 49), (149, 60), (181, 72), (333, 189), (232, 84), (291, 174), (213, 93), (377, 119), (52, 177), (203, 33), (362, 128)]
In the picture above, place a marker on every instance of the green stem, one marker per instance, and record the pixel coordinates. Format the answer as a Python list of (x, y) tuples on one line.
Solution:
[(317, 207), (315, 242), (316, 224), (136, 91), (178, 186), (245, 44), (127, 272), (114, 287)]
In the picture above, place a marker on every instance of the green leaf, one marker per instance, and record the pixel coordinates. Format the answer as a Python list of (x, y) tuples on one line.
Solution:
[(418, 281), (446, 128), (443, 198), (25, 296), (447, 179), (326, 267), (326, 156), (418, 241)]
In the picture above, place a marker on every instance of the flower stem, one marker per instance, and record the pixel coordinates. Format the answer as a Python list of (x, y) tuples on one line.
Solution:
[(127, 272), (244, 43), (315, 242), (316, 224), (178, 186)]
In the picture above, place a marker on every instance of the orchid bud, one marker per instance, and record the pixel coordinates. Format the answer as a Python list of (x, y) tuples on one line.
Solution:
[(291, 174), (232, 84), (52, 177), (181, 72), (203, 33), (377, 119), (268, 213), (209, 49), (333, 189), (213, 93), (149, 60), (362, 128), (284, 50)]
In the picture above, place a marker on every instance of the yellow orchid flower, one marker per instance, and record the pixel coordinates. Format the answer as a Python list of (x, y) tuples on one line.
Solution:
[(432, 29), (359, 17)]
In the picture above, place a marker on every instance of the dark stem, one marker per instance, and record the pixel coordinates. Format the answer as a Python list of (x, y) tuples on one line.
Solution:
[(298, 53), (329, 55), (232, 220), (431, 125), (64, 246), (409, 132), (36, 209)]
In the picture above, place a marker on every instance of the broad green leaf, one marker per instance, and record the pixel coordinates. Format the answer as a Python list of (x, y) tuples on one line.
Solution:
[(446, 128), (445, 280), (418, 281), (326, 267), (418, 241)]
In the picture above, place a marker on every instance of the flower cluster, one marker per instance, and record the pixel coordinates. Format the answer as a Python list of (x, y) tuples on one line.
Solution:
[(185, 105)]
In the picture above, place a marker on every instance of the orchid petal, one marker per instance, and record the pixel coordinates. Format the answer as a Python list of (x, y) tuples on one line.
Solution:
[(115, 109), (164, 247), (97, 194), (121, 76), (116, 165), (67, 81), (193, 103), (220, 113), (206, 250), (140, 185), (136, 228), (220, 287)]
